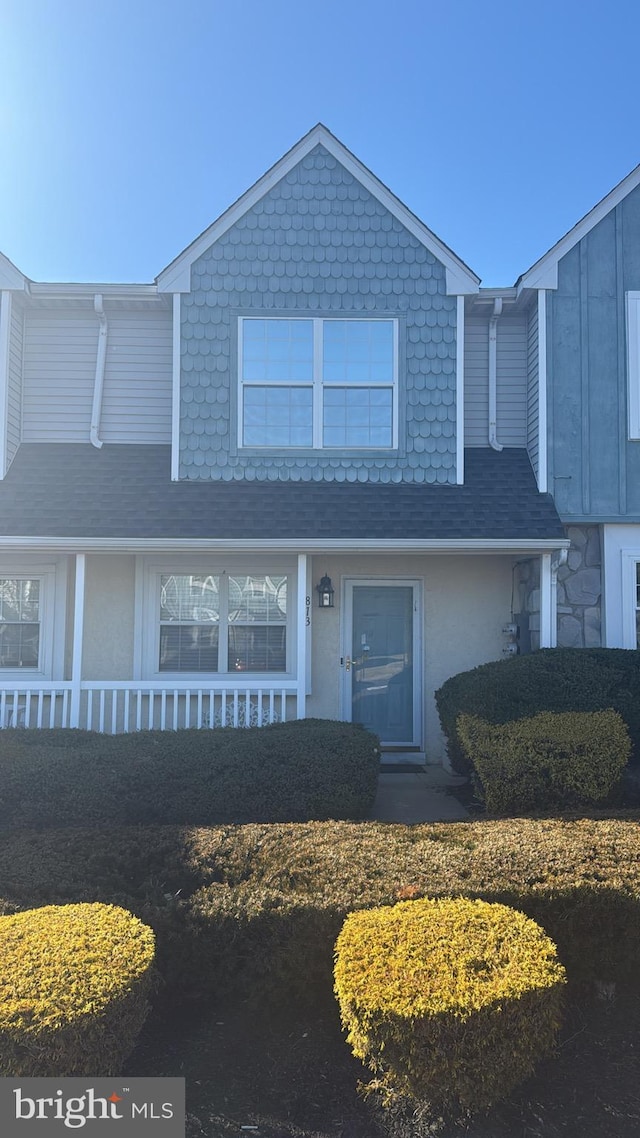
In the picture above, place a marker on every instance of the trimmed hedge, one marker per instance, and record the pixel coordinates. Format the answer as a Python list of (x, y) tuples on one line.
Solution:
[(451, 1001), (307, 769), (554, 679), (551, 761), (256, 909), (74, 987)]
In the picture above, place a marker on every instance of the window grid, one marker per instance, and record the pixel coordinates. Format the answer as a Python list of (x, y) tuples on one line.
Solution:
[(20, 620), (241, 628), (287, 432)]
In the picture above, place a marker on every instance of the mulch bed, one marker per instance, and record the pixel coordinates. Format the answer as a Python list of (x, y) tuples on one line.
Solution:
[(289, 1074)]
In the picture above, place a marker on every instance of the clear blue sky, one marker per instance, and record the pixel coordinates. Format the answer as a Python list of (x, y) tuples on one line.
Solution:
[(127, 126)]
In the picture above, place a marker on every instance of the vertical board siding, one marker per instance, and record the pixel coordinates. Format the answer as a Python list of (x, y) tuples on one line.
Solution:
[(511, 367), (136, 401), (532, 387), (596, 468), (60, 348), (14, 392)]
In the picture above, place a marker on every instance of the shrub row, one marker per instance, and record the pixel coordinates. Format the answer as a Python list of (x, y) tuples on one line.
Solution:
[(453, 1001), (74, 988), (556, 679), (551, 761), (257, 908), (308, 769)]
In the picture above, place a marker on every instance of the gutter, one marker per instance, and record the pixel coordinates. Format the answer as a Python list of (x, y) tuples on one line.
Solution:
[(101, 360), (493, 373), (290, 545)]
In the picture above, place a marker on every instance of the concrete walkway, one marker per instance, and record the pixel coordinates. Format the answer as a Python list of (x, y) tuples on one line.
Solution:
[(418, 796)]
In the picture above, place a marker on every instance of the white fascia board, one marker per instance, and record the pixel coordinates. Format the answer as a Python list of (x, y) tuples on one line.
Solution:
[(177, 276), (288, 545), (11, 277), (544, 273)]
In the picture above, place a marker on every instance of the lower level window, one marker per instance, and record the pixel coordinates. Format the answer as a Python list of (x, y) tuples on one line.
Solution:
[(223, 623), (19, 622)]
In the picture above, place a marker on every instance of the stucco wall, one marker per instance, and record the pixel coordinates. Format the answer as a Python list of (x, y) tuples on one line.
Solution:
[(109, 618), (466, 602)]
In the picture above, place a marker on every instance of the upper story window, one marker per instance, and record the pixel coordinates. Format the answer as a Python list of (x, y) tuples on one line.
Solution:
[(633, 363), (318, 383)]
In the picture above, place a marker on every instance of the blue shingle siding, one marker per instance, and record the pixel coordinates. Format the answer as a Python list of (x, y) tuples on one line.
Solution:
[(318, 244)]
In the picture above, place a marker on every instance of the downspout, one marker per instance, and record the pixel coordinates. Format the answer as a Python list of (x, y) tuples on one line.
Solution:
[(101, 359), (493, 374), (556, 562)]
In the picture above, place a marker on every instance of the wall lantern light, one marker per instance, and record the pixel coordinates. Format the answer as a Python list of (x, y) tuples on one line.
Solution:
[(325, 592)]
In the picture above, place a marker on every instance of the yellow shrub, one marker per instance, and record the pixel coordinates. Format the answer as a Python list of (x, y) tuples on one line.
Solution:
[(74, 985), (451, 1001)]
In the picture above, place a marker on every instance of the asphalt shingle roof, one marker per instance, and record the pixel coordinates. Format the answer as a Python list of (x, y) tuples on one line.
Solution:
[(125, 491)]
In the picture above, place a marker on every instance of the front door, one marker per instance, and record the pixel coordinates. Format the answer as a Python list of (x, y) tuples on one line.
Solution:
[(381, 661)]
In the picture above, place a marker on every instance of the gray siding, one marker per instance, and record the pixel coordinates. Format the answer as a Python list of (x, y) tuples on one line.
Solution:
[(14, 394), (319, 244), (511, 385), (594, 467), (59, 374), (136, 402), (532, 387)]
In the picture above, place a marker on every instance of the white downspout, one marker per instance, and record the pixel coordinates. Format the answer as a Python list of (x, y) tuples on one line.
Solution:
[(101, 359), (493, 374), (560, 559)]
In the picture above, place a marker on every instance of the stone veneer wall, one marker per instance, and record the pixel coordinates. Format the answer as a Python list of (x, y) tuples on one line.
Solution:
[(580, 590)]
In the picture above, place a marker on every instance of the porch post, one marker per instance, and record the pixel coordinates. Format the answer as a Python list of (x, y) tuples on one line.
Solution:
[(301, 655), (78, 629), (548, 638)]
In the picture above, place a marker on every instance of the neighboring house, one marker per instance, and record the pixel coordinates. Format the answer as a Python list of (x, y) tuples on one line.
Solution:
[(306, 471)]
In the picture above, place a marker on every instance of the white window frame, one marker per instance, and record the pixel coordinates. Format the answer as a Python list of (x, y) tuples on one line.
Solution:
[(633, 363), (147, 625), (318, 383), (52, 580)]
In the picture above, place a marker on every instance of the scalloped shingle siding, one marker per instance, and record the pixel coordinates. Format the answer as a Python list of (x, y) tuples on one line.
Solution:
[(319, 243)]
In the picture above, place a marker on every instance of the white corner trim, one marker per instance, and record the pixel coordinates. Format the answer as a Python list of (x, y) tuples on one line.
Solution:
[(633, 364), (543, 457), (176, 277), (460, 392), (175, 391), (5, 335)]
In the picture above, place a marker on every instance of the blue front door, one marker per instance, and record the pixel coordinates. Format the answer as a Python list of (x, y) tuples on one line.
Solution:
[(382, 664)]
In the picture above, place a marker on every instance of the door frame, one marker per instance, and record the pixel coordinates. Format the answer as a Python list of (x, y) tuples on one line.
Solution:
[(346, 641)]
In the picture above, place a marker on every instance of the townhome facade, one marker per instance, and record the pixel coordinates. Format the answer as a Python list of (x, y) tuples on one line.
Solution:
[(313, 469)]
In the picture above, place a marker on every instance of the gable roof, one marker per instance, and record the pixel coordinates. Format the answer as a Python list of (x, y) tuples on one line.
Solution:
[(544, 273), (176, 277), (122, 493), (10, 276)]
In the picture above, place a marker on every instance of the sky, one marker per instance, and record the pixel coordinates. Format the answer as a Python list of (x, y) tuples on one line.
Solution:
[(128, 126)]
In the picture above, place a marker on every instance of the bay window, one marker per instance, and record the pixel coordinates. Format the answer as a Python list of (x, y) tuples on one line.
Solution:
[(318, 383)]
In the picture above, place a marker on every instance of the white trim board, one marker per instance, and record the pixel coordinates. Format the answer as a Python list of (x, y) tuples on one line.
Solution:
[(286, 545), (176, 277), (544, 273)]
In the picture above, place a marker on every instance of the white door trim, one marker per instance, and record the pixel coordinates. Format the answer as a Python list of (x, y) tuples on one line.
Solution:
[(346, 638)]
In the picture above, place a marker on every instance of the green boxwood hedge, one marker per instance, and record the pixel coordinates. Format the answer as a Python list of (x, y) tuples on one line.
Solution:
[(555, 679), (551, 761), (307, 769)]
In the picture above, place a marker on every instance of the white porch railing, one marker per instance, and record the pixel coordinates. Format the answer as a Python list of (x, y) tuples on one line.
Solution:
[(119, 706)]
